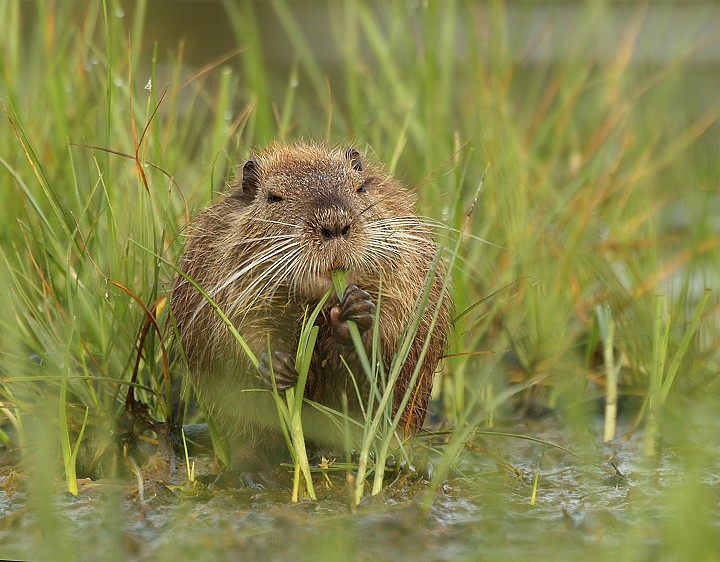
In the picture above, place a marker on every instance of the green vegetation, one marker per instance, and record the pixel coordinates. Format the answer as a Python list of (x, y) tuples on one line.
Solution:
[(577, 197)]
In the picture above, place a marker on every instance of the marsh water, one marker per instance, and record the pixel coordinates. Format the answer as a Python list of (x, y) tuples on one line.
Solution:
[(607, 501)]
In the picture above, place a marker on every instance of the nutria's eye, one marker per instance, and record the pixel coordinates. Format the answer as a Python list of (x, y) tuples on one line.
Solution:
[(273, 198), (364, 186)]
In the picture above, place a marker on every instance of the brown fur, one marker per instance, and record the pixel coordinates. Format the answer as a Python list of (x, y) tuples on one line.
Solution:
[(264, 260)]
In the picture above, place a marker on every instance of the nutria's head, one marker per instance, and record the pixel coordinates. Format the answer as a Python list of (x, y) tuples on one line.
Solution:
[(307, 210)]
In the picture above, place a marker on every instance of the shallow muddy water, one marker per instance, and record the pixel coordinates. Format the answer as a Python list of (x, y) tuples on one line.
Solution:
[(666, 507)]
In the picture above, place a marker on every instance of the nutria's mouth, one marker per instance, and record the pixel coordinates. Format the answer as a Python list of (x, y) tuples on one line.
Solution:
[(320, 282), (314, 287)]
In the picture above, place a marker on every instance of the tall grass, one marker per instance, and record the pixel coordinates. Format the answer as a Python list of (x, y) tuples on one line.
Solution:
[(599, 194)]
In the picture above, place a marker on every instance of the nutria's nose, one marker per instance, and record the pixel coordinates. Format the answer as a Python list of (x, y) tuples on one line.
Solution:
[(335, 231)]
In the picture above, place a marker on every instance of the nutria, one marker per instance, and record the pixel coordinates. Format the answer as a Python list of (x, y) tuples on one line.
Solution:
[(264, 254)]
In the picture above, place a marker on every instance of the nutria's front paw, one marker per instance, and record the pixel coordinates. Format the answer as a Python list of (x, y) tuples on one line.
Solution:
[(283, 366), (356, 305)]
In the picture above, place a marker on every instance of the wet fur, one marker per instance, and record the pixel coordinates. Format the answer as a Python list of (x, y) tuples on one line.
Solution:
[(264, 253)]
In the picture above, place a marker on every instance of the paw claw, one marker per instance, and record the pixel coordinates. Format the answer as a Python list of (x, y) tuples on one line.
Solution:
[(283, 367), (357, 306)]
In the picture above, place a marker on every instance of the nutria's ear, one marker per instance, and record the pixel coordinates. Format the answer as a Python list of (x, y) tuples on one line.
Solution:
[(246, 189), (354, 156), (250, 180)]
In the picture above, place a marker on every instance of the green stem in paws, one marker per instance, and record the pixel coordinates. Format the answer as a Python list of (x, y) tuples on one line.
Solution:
[(290, 411)]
